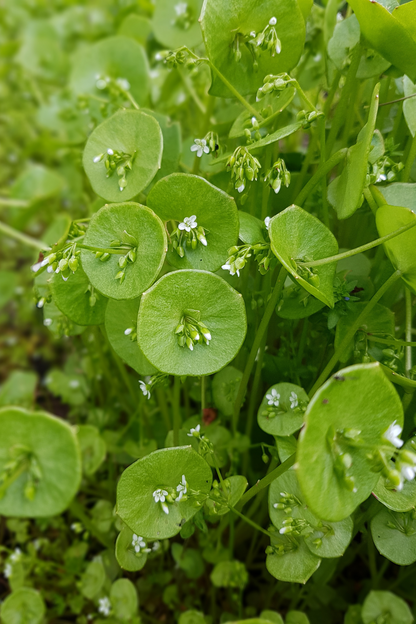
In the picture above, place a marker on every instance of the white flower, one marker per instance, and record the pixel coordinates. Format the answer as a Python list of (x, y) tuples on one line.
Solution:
[(97, 159), (110, 152), (156, 546), (392, 433), (139, 544), (104, 606), (8, 570), (165, 508), (128, 331), (181, 8), (47, 322), (285, 529), (278, 47), (194, 433), (188, 224), (273, 398), (123, 84), (267, 222), (74, 383), (181, 488), (39, 265), (16, 555), (272, 21), (227, 267), (145, 389), (294, 402), (160, 495), (241, 188), (408, 472), (200, 147)]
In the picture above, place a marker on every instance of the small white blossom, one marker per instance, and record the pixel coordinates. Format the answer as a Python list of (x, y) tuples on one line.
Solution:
[(97, 159), (123, 84), (228, 267), (16, 555), (145, 389), (139, 544), (39, 265), (294, 402), (165, 508), (160, 495), (74, 383), (110, 152), (47, 322), (104, 606), (128, 331), (156, 546), (392, 433), (200, 147), (285, 529), (188, 224), (182, 488), (272, 21), (206, 335), (267, 222), (241, 188), (181, 8), (194, 432), (8, 570), (273, 398)]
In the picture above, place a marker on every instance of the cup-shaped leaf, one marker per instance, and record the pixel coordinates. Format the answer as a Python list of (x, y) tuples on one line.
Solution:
[(282, 409), (397, 500), (137, 140), (401, 249), (126, 554), (394, 535), (297, 564), (176, 24), (226, 495), (23, 605), (357, 403), (346, 192), (391, 34), (124, 599), (40, 463), (298, 237), (226, 28), (221, 310), (120, 324), (384, 604), (163, 471), (181, 196), (111, 223), (77, 300), (116, 58)]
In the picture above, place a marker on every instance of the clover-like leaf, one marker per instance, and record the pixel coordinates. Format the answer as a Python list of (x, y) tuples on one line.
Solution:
[(298, 237), (77, 299), (282, 409), (227, 28), (142, 263), (357, 401), (221, 310), (23, 605), (181, 196), (140, 498), (131, 142), (40, 464), (175, 23), (394, 535)]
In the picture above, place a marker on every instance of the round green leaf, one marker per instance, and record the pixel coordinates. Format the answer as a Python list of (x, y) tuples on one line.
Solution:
[(227, 495), (252, 230), (115, 57), (74, 297), (223, 23), (23, 605), (93, 578), (384, 604), (93, 448), (139, 137), (380, 320), (297, 303), (282, 409), (297, 236), (221, 309), (163, 470), (61, 116), (357, 398), (394, 535), (172, 144), (400, 194), (126, 556), (229, 574), (401, 250), (46, 454), (124, 599), (175, 23), (129, 222), (41, 51), (37, 183), (135, 26), (295, 566), (224, 389), (182, 195), (397, 500), (334, 537), (121, 317)]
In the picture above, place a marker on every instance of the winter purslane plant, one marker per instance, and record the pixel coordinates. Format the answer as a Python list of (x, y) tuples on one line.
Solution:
[(218, 204)]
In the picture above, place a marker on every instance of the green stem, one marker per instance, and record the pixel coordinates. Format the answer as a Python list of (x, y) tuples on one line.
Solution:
[(408, 360), (361, 249), (23, 238), (14, 203), (236, 94), (305, 165), (269, 478), (250, 522), (322, 135), (322, 171), (304, 97), (190, 88), (24, 465), (176, 410), (393, 341), (203, 393), (370, 200), (110, 250), (275, 296), (341, 109), (352, 330), (132, 100), (409, 161)]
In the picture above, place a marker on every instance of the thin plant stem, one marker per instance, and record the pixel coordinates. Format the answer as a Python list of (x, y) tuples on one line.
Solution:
[(407, 97), (236, 94), (251, 522), (131, 99), (322, 140), (23, 238), (190, 89), (275, 296), (409, 161), (408, 355), (14, 203), (269, 478), (352, 330), (203, 393), (361, 249), (176, 410), (77, 510), (393, 341), (161, 401), (305, 165), (370, 200), (322, 171)]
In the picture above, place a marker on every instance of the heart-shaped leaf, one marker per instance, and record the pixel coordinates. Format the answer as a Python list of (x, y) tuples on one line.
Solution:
[(282, 409), (23, 605)]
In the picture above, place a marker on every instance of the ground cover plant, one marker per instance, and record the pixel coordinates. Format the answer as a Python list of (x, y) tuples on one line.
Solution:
[(207, 288)]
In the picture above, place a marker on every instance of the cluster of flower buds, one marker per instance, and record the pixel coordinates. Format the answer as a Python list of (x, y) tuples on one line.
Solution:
[(339, 442), (308, 117), (275, 406), (277, 175), (114, 86), (191, 330), (21, 460), (393, 357), (147, 386), (271, 83), (309, 274), (296, 527), (403, 522), (188, 233), (139, 545), (127, 248), (184, 17), (264, 41), (181, 56), (239, 255), (404, 466), (65, 261), (220, 495), (383, 170), (287, 502), (244, 167), (117, 162), (281, 548)]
